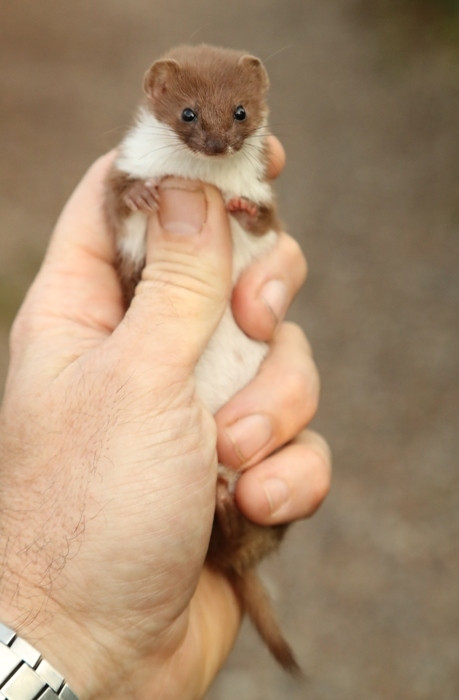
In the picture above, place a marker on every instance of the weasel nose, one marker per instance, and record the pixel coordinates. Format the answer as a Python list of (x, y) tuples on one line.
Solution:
[(214, 145)]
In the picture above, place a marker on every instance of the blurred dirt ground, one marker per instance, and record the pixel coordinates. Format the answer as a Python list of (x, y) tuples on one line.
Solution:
[(366, 101)]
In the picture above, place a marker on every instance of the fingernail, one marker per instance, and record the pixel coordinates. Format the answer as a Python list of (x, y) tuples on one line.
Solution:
[(182, 209), (274, 295), (277, 493), (249, 435)]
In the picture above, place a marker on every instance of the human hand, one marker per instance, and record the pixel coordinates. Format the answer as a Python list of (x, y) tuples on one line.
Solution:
[(108, 459)]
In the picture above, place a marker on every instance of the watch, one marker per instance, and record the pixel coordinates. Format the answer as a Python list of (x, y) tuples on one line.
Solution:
[(25, 675)]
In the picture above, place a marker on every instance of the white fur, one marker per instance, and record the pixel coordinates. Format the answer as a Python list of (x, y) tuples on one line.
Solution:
[(231, 358), (153, 150), (132, 244)]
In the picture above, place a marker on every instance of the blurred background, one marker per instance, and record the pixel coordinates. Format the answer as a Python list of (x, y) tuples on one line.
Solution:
[(365, 97)]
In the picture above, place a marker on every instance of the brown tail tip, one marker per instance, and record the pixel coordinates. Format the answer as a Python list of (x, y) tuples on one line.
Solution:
[(259, 608)]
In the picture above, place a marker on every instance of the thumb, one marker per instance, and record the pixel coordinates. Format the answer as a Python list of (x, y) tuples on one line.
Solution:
[(186, 282)]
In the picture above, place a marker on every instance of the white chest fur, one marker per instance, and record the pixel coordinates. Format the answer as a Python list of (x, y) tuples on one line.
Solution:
[(152, 150)]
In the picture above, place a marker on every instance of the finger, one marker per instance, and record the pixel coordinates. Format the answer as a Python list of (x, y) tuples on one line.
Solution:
[(186, 282), (276, 157), (288, 485), (266, 289), (274, 407)]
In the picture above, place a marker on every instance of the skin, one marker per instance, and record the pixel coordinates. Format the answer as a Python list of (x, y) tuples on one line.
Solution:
[(108, 460)]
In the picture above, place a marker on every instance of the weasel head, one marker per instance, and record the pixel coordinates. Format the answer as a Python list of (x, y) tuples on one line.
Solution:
[(213, 99)]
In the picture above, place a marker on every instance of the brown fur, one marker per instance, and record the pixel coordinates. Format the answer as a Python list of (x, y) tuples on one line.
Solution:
[(258, 606), (118, 186), (212, 83), (264, 219), (236, 546)]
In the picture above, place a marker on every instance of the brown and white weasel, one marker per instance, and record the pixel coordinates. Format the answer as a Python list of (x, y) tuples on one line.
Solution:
[(205, 118)]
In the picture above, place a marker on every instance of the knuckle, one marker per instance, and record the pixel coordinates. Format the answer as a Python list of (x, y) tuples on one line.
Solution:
[(319, 494), (322, 446), (296, 256), (292, 334), (321, 449), (301, 391), (319, 458)]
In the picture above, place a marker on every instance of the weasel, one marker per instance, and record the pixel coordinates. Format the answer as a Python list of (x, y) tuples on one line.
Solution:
[(204, 117)]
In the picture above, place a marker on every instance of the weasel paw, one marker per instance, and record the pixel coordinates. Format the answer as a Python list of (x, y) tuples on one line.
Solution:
[(242, 204), (142, 195)]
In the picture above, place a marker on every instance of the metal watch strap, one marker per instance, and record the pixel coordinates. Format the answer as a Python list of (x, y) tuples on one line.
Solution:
[(25, 675)]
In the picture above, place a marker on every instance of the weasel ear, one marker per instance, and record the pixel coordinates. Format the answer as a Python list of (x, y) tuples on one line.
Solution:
[(157, 77), (254, 67)]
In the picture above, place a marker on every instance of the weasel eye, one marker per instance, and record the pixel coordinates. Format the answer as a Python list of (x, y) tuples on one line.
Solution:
[(188, 115), (239, 113)]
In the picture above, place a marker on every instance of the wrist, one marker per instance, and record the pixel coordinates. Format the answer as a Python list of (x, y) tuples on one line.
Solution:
[(24, 673), (34, 618), (42, 598), (97, 664)]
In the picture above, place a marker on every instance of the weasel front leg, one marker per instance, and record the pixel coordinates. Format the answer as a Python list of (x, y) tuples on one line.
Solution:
[(142, 195), (128, 202), (254, 218), (126, 194)]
